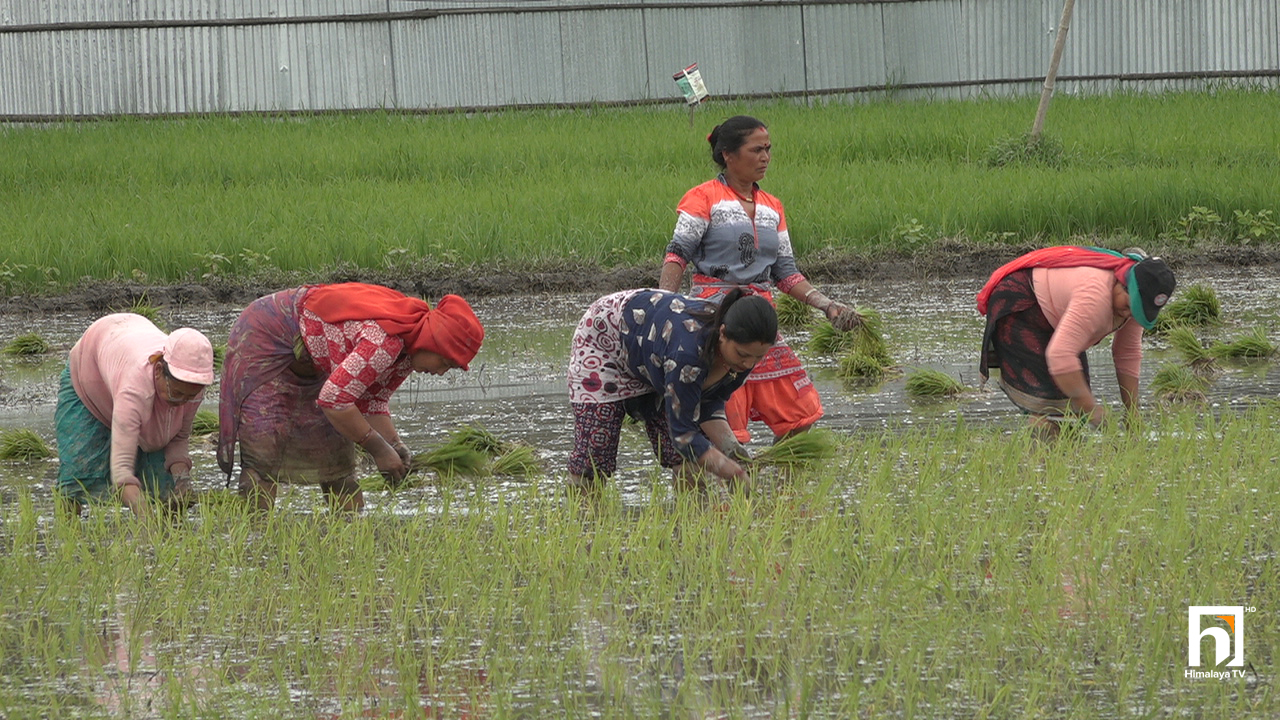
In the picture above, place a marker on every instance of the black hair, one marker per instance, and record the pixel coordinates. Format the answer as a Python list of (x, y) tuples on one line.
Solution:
[(730, 135), (745, 319)]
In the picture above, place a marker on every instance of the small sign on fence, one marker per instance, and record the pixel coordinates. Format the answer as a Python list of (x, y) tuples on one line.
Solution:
[(689, 80)]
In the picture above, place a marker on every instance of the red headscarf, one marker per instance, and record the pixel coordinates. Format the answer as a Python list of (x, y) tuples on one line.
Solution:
[(451, 329), (1056, 257)]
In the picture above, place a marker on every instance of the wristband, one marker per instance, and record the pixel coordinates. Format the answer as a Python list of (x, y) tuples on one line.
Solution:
[(365, 437)]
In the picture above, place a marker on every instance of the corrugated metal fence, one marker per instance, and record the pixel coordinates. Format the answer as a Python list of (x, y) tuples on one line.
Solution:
[(61, 58)]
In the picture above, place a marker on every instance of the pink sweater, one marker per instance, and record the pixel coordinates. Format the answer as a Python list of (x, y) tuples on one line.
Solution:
[(113, 378), (1077, 303)]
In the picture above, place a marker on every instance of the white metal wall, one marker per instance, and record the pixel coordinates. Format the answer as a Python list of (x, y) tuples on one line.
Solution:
[(310, 55)]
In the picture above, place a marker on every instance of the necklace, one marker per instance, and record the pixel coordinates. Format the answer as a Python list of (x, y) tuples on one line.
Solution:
[(742, 197)]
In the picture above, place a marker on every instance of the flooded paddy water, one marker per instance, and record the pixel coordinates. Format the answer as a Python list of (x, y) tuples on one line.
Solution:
[(516, 390), (516, 387)]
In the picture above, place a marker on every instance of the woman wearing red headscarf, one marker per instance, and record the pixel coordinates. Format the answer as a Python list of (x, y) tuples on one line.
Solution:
[(309, 373)]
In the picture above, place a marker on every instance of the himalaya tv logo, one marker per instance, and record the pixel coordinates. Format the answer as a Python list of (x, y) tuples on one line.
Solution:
[(1228, 642)]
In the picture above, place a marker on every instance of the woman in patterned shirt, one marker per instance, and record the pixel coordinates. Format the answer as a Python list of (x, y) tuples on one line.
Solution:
[(672, 361), (735, 234), (308, 375)]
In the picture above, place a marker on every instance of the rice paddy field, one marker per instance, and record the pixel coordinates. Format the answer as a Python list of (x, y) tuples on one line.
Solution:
[(943, 564), (167, 201)]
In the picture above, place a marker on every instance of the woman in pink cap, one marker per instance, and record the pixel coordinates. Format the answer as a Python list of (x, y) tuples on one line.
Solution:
[(125, 406), (309, 374)]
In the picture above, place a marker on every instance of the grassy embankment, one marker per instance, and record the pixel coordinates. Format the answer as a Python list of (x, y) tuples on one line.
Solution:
[(163, 201), (930, 572)]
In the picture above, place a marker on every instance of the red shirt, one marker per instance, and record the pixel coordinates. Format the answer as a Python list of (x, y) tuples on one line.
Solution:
[(363, 363)]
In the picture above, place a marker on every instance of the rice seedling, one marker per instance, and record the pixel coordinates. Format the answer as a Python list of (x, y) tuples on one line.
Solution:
[(1253, 344), (453, 458), (519, 461), (955, 526), (791, 312), (928, 383), (827, 340), (27, 344), (806, 448), (219, 355), (1179, 384), (855, 368), (23, 444), (1194, 353), (141, 306), (481, 440), (866, 339), (204, 423), (220, 497), (920, 160), (1196, 306)]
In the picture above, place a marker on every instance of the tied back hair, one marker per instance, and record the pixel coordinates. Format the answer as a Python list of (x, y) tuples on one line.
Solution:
[(730, 135), (745, 318)]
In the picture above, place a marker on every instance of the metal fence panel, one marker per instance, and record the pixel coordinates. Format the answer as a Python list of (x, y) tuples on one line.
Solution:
[(603, 57), (844, 46), (1006, 39), (739, 51), (479, 60), (196, 56)]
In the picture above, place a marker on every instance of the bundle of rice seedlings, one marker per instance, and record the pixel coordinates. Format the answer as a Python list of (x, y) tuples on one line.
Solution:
[(23, 444), (791, 312), (1176, 383), (481, 440), (520, 461), (866, 339), (856, 368), (1196, 306), (453, 458), (827, 340), (204, 423), (1194, 353), (373, 483), (869, 337), (1251, 345), (143, 307), (804, 448), (932, 384), (219, 355), (27, 344)]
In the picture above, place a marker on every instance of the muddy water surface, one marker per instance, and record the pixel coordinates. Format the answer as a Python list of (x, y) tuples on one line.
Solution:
[(516, 386)]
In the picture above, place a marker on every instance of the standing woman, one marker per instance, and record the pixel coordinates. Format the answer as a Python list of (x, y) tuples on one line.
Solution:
[(125, 405), (672, 361), (309, 374), (735, 234), (1046, 308)]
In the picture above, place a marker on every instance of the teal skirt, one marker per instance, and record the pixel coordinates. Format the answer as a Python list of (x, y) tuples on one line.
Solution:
[(84, 453)]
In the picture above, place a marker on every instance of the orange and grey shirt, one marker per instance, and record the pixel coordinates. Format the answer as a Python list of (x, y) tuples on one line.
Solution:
[(722, 241)]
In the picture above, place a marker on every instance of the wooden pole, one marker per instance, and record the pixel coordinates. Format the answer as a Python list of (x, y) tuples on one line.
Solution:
[(1038, 126)]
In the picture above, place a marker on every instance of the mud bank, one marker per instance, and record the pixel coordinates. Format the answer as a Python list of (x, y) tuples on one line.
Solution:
[(947, 260)]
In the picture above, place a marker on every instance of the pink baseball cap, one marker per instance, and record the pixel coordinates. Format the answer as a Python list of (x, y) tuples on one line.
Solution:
[(189, 355)]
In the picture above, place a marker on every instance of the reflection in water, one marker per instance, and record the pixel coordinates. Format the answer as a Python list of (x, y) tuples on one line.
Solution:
[(131, 682)]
